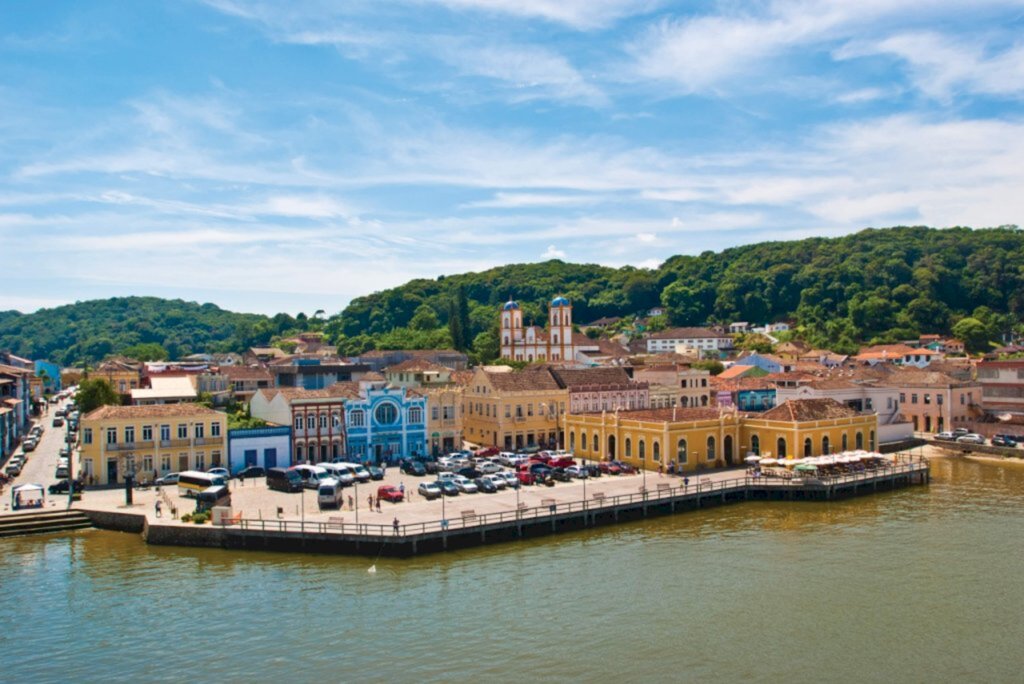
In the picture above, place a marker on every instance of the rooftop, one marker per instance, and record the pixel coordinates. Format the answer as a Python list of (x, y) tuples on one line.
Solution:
[(799, 410), (151, 411), (685, 334)]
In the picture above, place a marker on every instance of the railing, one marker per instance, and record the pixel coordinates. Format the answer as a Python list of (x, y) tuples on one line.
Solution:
[(601, 502), (172, 443), (206, 441), (121, 446)]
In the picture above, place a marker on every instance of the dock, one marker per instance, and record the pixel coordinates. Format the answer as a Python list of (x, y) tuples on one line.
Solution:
[(469, 529)]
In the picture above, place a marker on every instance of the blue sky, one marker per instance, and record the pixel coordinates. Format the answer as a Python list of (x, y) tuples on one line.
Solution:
[(288, 156)]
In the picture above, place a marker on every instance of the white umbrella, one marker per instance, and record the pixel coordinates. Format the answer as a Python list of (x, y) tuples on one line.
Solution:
[(769, 461), (752, 459)]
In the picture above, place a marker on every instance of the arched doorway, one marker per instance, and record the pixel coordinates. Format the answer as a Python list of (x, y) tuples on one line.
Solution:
[(825, 446), (711, 449), (846, 442), (597, 446), (859, 441), (572, 441), (780, 448), (611, 447), (727, 449), (681, 451), (583, 441), (807, 447), (755, 445)]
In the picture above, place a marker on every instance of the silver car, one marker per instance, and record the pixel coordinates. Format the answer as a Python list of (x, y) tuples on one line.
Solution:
[(465, 485), (971, 438)]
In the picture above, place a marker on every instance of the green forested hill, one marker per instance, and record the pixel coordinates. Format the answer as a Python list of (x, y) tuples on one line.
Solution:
[(877, 284), (88, 331)]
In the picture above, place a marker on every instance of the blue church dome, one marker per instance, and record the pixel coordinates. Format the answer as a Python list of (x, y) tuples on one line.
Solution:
[(509, 305), (559, 301)]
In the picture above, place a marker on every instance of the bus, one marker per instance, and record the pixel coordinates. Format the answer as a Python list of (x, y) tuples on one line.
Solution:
[(191, 482)]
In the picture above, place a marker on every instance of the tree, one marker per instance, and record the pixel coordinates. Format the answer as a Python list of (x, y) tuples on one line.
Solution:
[(146, 351), (973, 332), (715, 367), (93, 393), (486, 346), (424, 318)]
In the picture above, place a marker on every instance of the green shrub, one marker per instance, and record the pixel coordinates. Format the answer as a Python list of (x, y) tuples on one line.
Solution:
[(186, 518)]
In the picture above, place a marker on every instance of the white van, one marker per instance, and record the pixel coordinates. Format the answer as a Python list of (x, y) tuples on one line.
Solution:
[(311, 475), (359, 471), (340, 472), (329, 494)]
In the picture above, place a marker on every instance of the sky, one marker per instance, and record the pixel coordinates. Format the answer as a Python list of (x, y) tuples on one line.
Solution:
[(275, 156)]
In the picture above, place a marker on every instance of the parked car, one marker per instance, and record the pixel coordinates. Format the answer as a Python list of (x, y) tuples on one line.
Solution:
[(430, 490), (390, 493), (13, 468), (431, 467), (960, 432), (488, 467), (465, 485), (561, 462), (252, 471), (61, 472), (506, 458), (486, 486), (58, 421), (971, 438), (609, 468), (59, 413), (560, 474), (945, 437), (375, 473), (168, 479), (486, 451), (447, 487), (577, 472), (414, 468), (469, 473), (62, 487), (496, 479), (1009, 440), (592, 470), (223, 472), (510, 478), (29, 444), (625, 468)]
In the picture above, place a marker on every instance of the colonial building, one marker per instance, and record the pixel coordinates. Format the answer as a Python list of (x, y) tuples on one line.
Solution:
[(244, 381), (671, 385), (150, 441), (386, 424), (693, 439), (746, 394), (864, 396), (533, 343), (1002, 385), (316, 417), (899, 354), (934, 402), (379, 359), (601, 389), (513, 409), (444, 418), (123, 374), (418, 373), (266, 447), (15, 405)]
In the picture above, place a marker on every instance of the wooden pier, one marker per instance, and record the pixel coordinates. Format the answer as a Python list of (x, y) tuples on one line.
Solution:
[(473, 530)]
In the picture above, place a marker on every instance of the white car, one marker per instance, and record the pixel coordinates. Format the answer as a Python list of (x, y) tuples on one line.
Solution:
[(429, 490), (168, 479), (971, 438), (447, 476), (506, 458), (498, 480), (488, 467), (510, 478), (577, 472), (465, 485)]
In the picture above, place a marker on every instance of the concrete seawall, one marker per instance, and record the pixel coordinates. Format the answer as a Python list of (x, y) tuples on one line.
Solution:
[(119, 522)]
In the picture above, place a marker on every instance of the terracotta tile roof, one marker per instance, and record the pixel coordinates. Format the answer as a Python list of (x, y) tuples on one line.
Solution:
[(373, 376), (892, 351), (738, 384), (246, 373), (347, 390), (150, 411), (678, 415), (686, 334), (799, 410), (605, 375), (527, 380), (607, 320), (922, 378), (463, 377), (415, 365), (735, 371)]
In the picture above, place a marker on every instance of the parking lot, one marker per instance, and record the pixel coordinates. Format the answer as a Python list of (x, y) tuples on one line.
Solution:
[(253, 500)]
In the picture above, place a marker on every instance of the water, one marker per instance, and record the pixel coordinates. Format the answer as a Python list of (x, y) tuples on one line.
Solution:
[(919, 585)]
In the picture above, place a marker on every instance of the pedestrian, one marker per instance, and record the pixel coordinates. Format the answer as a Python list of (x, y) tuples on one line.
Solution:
[(661, 470), (158, 508), (394, 524), (401, 488), (378, 504), (241, 477), (351, 503), (369, 502), (686, 483)]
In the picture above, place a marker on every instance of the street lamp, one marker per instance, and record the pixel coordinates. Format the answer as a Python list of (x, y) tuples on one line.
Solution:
[(129, 475)]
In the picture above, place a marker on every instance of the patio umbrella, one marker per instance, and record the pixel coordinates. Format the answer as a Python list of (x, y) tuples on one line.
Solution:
[(769, 461), (806, 467), (753, 459)]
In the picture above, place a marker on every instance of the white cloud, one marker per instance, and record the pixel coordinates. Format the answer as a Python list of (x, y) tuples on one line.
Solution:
[(552, 252), (579, 14), (646, 237)]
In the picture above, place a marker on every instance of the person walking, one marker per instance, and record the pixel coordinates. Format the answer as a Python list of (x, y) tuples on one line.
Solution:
[(378, 504), (394, 524), (686, 483), (369, 502), (158, 511), (351, 503)]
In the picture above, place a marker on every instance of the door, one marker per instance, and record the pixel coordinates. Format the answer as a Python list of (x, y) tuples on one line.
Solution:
[(111, 470), (182, 462), (270, 458), (250, 457), (611, 447), (728, 449)]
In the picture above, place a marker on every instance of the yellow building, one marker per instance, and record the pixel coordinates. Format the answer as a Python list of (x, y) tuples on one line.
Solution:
[(444, 418), (153, 440), (716, 437), (123, 374), (513, 409)]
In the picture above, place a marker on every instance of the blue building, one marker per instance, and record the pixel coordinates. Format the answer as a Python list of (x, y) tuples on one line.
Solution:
[(766, 362), (50, 373), (267, 447), (15, 402), (746, 394), (386, 424)]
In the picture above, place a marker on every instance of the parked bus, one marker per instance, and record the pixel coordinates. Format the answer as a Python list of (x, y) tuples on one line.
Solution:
[(284, 480), (191, 482), (218, 495)]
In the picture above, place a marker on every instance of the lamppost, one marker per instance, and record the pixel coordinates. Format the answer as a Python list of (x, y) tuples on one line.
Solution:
[(71, 468), (129, 476)]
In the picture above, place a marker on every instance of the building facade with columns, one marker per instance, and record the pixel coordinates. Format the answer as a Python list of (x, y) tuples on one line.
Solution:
[(532, 343)]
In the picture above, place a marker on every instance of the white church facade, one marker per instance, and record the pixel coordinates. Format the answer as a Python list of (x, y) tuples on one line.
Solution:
[(533, 343)]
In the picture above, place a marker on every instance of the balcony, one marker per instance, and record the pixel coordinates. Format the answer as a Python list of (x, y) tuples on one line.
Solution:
[(208, 441), (173, 443)]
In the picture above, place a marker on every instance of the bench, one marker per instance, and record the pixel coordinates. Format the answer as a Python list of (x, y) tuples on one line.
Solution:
[(664, 486), (468, 516), (598, 496), (336, 521), (522, 506)]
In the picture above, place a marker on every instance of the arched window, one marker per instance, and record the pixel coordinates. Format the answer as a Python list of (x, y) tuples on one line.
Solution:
[(597, 445), (643, 449), (681, 451), (755, 444), (825, 446), (704, 400), (807, 447), (323, 420), (356, 418), (311, 422), (846, 442), (656, 451), (780, 448), (583, 441), (871, 444), (629, 447), (572, 441), (859, 440), (711, 448), (386, 414)]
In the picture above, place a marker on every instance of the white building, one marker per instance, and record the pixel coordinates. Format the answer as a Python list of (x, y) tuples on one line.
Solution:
[(689, 339), (267, 447), (533, 343)]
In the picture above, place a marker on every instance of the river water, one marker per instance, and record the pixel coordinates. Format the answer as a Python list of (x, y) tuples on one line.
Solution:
[(920, 585)]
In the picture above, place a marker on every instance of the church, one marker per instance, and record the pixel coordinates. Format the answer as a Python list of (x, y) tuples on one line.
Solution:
[(533, 343)]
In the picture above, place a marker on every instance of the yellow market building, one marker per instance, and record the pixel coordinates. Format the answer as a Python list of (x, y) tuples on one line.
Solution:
[(698, 438), (513, 409), (151, 440)]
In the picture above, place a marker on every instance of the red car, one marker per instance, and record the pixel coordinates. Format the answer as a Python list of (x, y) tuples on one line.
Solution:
[(562, 462), (609, 468), (390, 493), (488, 451), (541, 458)]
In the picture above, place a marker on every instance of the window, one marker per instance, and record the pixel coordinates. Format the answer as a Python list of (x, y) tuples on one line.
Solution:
[(129, 433), (629, 448), (200, 430), (927, 398), (711, 448), (938, 399), (845, 442), (597, 446), (356, 418), (755, 444), (165, 433), (572, 441), (386, 414), (807, 447), (323, 421), (165, 463), (859, 440), (435, 413), (182, 431), (415, 415), (681, 451), (529, 409), (642, 449), (310, 422), (508, 410), (961, 399), (826, 446), (147, 433), (903, 398), (656, 451), (583, 441), (913, 398), (87, 436), (111, 435), (147, 464), (215, 459), (200, 460), (298, 422)]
